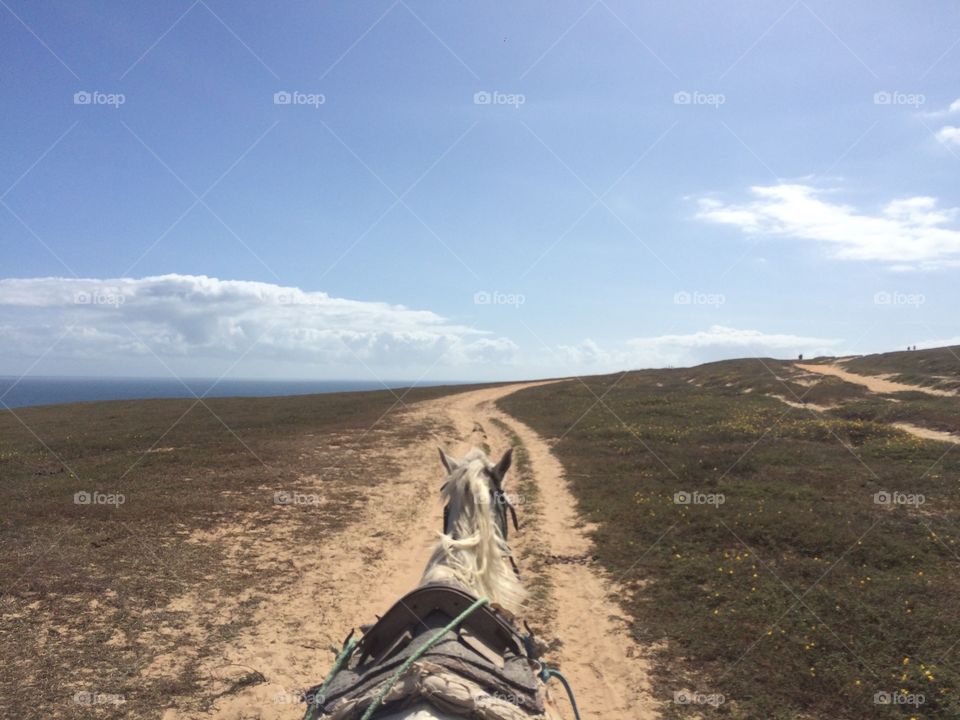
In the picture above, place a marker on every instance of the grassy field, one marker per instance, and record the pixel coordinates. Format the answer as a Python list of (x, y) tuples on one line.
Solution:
[(746, 533), (85, 588), (763, 548)]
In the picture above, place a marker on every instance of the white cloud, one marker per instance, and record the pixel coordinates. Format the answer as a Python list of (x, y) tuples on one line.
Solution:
[(953, 109), (718, 342), (197, 325), (586, 354), (910, 231), (949, 134), (202, 322)]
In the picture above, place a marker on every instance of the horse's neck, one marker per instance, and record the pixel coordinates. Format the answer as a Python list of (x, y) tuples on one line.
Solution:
[(472, 555)]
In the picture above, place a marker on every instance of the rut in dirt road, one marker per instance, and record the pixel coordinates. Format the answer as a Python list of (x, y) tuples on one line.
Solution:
[(608, 671)]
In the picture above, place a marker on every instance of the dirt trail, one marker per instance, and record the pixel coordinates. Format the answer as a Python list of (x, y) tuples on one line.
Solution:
[(360, 573), (927, 432), (874, 383), (878, 385), (920, 432)]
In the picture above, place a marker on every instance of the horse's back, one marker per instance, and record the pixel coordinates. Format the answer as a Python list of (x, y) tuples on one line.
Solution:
[(420, 711)]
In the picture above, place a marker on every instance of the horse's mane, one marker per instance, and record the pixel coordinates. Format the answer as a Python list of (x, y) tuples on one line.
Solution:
[(474, 554)]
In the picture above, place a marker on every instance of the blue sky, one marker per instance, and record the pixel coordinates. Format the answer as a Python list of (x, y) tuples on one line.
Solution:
[(472, 191)]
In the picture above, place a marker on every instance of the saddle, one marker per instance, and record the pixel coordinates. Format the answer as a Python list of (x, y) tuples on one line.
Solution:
[(476, 668)]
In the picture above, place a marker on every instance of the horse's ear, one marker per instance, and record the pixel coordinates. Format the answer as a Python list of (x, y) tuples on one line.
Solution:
[(501, 469), (448, 462)]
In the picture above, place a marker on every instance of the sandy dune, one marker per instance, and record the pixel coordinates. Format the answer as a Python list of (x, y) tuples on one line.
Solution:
[(875, 383), (349, 581)]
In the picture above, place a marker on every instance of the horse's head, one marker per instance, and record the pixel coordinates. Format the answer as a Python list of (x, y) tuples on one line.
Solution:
[(472, 550), (491, 478)]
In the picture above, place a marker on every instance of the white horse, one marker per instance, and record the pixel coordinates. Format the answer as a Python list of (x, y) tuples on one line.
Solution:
[(473, 556), (472, 551)]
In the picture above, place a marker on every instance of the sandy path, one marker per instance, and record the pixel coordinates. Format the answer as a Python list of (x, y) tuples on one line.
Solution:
[(874, 383), (927, 432), (360, 573), (878, 385), (920, 432), (608, 672)]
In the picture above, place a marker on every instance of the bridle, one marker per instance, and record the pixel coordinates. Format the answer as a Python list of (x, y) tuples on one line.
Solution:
[(501, 504), (500, 501)]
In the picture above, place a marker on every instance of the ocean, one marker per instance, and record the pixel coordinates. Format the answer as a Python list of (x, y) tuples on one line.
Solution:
[(40, 390)]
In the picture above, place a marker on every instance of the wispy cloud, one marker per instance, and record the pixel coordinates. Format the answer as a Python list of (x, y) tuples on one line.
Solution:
[(718, 342), (198, 325), (952, 109), (949, 134), (909, 232)]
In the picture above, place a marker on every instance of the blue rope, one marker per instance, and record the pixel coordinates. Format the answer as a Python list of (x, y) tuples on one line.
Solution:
[(547, 672)]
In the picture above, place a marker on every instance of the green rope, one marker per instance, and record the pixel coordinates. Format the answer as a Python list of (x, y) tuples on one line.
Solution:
[(546, 673), (416, 656), (338, 664)]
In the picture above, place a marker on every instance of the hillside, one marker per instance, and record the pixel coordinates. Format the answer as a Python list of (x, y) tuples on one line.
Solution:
[(785, 538)]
